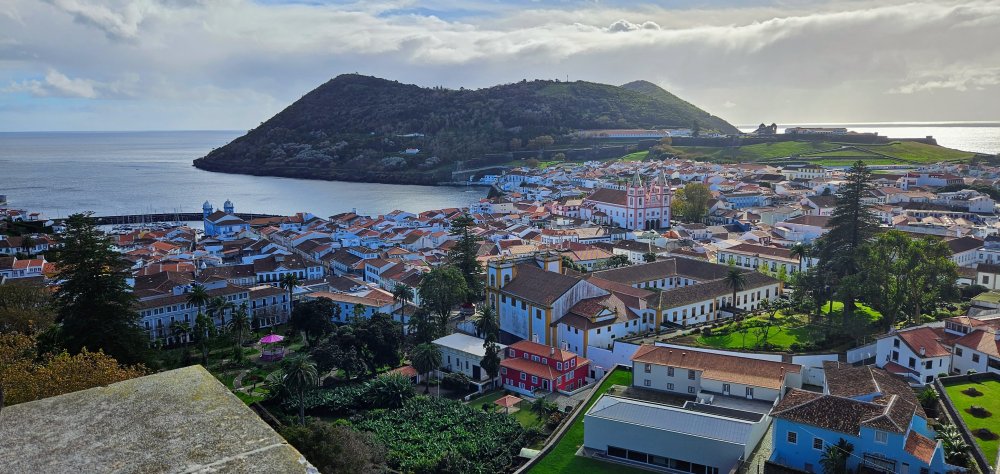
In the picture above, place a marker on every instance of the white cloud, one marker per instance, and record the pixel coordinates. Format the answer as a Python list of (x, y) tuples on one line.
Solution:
[(793, 61)]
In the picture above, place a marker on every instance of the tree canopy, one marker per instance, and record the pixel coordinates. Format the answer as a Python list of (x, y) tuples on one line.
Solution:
[(690, 203)]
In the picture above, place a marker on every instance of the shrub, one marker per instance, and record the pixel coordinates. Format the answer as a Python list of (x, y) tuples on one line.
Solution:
[(707, 332), (972, 392), (985, 434), (554, 419), (979, 412), (388, 391), (455, 381)]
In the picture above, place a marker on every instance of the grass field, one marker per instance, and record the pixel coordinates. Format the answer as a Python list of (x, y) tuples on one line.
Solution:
[(787, 330), (990, 400), (637, 156), (829, 153), (524, 416), (563, 458)]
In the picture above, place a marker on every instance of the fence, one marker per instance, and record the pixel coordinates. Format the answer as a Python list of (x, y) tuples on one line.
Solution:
[(977, 452)]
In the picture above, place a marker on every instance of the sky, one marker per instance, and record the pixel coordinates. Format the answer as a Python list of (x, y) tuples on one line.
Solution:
[(231, 64)]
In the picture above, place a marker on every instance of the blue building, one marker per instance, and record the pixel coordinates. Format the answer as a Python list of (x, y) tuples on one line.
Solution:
[(224, 223), (875, 411)]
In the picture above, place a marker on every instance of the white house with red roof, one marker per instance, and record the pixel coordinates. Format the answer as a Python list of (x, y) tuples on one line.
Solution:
[(530, 367), (918, 354)]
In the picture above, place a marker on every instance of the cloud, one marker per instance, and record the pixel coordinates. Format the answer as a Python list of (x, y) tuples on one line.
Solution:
[(625, 25), (766, 60)]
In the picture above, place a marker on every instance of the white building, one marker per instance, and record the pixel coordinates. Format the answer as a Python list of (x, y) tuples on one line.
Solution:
[(463, 354)]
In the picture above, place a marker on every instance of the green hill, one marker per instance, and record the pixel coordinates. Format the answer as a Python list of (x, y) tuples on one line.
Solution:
[(832, 153), (357, 127)]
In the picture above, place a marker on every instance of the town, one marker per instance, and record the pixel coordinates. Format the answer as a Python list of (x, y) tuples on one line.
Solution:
[(663, 315)]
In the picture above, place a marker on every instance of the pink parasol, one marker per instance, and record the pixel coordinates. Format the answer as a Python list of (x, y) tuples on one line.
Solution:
[(271, 339)]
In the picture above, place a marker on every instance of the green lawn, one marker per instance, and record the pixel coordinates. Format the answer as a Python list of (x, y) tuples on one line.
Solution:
[(990, 399), (637, 156), (523, 415), (563, 458), (828, 153), (787, 330)]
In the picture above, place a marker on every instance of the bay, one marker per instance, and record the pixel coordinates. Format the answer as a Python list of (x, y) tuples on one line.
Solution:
[(114, 173)]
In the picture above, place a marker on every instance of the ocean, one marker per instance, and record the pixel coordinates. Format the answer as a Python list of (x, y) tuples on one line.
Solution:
[(980, 137), (115, 173)]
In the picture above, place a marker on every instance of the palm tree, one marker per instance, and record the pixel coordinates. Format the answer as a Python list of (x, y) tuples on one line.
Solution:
[(204, 329), (402, 294), (240, 326), (198, 297), (736, 280), (800, 251), (425, 358), (217, 307), (288, 282), (299, 374), (835, 456), (542, 408), (486, 323), (26, 243), (180, 329)]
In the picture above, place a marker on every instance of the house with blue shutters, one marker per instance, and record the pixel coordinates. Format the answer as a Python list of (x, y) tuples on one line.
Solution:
[(875, 411)]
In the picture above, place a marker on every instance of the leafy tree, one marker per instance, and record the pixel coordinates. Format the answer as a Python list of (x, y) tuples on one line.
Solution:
[(835, 456), (618, 260), (25, 377), (335, 449), (289, 282), (691, 202), (532, 163), (25, 309), (440, 290), (903, 276), (491, 359), (426, 357), (463, 256), (735, 280), (180, 330), (239, 327), (559, 157), (298, 375), (852, 223), (515, 144), (380, 337), (541, 142), (389, 391), (423, 327), (956, 450), (649, 257), (96, 308), (313, 318)]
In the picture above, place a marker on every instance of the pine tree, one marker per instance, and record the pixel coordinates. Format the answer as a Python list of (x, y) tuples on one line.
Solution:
[(463, 256), (96, 310), (851, 225)]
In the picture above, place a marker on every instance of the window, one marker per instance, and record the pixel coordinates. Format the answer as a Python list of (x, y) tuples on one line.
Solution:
[(725, 389), (929, 364), (690, 374), (647, 383), (670, 386), (986, 279), (523, 376), (503, 370), (792, 437), (912, 363), (895, 343), (958, 351), (975, 357), (691, 390), (534, 379), (818, 443), (558, 365), (670, 371), (749, 392), (648, 368), (881, 437)]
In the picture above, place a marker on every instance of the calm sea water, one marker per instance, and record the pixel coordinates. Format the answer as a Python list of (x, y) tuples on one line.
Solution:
[(114, 173), (977, 137)]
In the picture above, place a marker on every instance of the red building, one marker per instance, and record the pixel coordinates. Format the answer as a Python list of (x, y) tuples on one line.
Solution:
[(531, 366)]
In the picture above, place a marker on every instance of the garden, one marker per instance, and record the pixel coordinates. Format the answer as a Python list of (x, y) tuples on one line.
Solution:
[(787, 331), (978, 403)]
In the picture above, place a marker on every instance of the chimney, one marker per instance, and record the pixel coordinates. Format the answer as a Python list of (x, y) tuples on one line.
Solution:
[(552, 351), (922, 351)]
